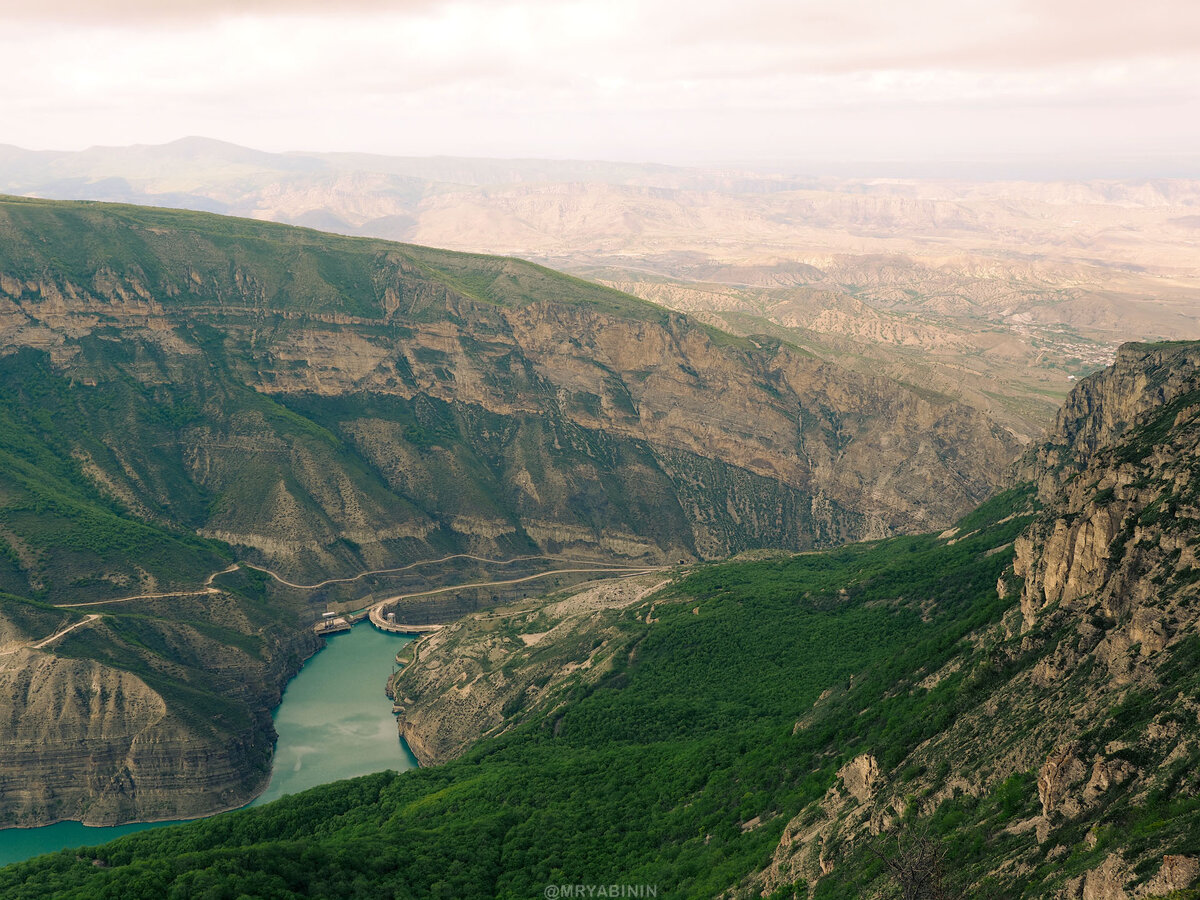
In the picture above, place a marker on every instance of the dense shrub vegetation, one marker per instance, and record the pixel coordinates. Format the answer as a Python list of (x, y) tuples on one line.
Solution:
[(678, 769)]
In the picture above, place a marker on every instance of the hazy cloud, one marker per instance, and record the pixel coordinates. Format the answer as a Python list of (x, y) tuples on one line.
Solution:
[(941, 33), (664, 80), (141, 12)]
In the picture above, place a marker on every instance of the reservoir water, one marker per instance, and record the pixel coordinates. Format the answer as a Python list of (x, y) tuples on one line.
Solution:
[(334, 722)]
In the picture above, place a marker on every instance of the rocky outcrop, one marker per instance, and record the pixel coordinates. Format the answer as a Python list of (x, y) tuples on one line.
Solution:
[(859, 776), (1127, 510), (483, 674), (1114, 880), (1091, 708), (1102, 406), (1105, 882), (1177, 873), (1061, 771)]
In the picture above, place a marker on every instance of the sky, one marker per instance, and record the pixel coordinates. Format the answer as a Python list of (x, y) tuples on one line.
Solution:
[(674, 81)]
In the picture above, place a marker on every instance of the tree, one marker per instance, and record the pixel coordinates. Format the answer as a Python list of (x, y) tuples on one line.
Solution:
[(917, 865)]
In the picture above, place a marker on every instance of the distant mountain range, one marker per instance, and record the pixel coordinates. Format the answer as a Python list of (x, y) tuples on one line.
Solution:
[(994, 293)]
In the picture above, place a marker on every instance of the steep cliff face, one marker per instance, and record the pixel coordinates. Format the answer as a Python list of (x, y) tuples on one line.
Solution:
[(96, 744), (1121, 527), (1079, 767), (112, 718), (331, 405), (1103, 405)]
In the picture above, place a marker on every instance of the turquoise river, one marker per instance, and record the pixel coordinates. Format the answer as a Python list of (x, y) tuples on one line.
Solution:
[(334, 722)]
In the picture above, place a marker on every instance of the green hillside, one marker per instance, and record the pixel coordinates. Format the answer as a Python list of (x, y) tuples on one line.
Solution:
[(62, 536), (648, 776), (194, 258)]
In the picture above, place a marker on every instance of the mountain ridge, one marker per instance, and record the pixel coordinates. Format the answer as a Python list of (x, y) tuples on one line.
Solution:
[(312, 320), (996, 293)]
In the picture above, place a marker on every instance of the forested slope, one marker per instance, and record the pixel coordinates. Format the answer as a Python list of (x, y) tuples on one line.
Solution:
[(679, 767)]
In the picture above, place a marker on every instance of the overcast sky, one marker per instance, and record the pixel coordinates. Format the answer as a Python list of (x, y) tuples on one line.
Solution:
[(682, 81)]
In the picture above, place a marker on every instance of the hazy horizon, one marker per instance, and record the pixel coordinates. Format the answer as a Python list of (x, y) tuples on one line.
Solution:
[(1062, 88), (1012, 168)]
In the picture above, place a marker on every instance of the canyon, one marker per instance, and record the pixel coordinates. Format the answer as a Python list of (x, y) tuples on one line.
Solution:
[(919, 624), (183, 390)]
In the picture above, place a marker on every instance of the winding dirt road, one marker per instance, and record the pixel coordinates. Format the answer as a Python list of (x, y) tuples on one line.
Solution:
[(209, 589), (86, 620), (54, 637), (423, 562), (375, 611)]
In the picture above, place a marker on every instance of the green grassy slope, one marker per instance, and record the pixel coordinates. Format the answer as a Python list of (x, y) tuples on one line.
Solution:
[(189, 258), (62, 536)]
